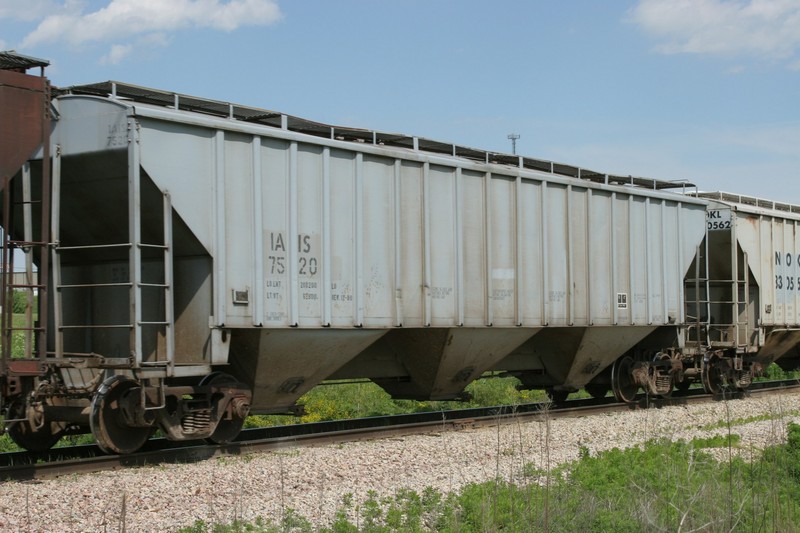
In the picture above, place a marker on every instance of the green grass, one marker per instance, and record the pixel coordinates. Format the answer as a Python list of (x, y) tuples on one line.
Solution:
[(661, 486), (718, 441), (748, 420), (18, 337), (776, 373), (358, 400)]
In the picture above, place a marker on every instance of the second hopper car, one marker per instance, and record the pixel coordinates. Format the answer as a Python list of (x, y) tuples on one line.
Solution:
[(741, 295)]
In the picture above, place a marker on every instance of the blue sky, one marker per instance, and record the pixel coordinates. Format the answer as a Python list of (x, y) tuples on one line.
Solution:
[(705, 90)]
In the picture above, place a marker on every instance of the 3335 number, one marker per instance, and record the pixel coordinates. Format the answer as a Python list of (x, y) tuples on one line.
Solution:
[(789, 283)]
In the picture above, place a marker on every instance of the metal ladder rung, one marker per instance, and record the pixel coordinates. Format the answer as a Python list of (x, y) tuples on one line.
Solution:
[(93, 285), (26, 286), (33, 244), (92, 247), (133, 265), (14, 243), (97, 326)]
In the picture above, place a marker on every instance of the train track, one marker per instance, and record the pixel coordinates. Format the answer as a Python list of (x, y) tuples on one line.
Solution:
[(88, 458)]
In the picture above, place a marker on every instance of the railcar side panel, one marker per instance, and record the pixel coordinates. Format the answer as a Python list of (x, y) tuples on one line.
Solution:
[(181, 157), (379, 241), (473, 247), (599, 249), (472, 275), (343, 229), (411, 294), (440, 246), (310, 198), (621, 261), (235, 193), (532, 227), (502, 231), (556, 253), (771, 242)]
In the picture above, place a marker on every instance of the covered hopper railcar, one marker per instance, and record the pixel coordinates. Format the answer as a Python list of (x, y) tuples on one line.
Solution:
[(740, 293), (743, 289), (196, 261)]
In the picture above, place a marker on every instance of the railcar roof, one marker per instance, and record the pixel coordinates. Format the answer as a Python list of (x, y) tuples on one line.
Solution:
[(145, 95), (10, 60), (748, 201)]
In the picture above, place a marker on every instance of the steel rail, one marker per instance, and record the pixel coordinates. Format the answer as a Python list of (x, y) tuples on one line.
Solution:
[(89, 458)]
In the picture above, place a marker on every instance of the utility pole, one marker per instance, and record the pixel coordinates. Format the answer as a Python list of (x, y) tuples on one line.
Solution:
[(513, 137)]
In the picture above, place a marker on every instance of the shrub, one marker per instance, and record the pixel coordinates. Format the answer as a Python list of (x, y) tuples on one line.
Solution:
[(660, 486), (775, 373), (793, 450), (19, 302)]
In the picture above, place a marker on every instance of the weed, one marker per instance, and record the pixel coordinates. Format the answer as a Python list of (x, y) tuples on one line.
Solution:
[(775, 373), (718, 441), (660, 486), (748, 420)]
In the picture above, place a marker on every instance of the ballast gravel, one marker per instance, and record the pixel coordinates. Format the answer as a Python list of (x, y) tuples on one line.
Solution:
[(313, 480)]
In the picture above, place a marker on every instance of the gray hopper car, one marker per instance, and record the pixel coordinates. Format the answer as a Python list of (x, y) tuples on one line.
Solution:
[(743, 288), (190, 261), (741, 295)]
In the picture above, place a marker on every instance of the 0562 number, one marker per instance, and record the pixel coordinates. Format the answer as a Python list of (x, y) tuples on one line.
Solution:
[(719, 224)]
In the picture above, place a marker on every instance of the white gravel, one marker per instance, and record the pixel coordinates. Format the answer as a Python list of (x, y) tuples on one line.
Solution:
[(313, 480)]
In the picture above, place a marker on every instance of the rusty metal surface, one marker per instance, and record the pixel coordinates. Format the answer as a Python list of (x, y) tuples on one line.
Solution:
[(24, 129), (23, 101), (24, 367)]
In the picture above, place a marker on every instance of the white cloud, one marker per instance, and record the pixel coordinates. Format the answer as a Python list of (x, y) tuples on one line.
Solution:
[(125, 19), (154, 39), (764, 29), (116, 54)]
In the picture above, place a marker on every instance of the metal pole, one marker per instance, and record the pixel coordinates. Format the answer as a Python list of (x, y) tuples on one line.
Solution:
[(513, 137), (44, 250)]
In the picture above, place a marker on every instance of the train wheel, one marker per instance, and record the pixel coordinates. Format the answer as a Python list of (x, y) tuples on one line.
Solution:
[(107, 420), (38, 439), (557, 396), (682, 387), (597, 390), (713, 379), (622, 383), (228, 428)]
